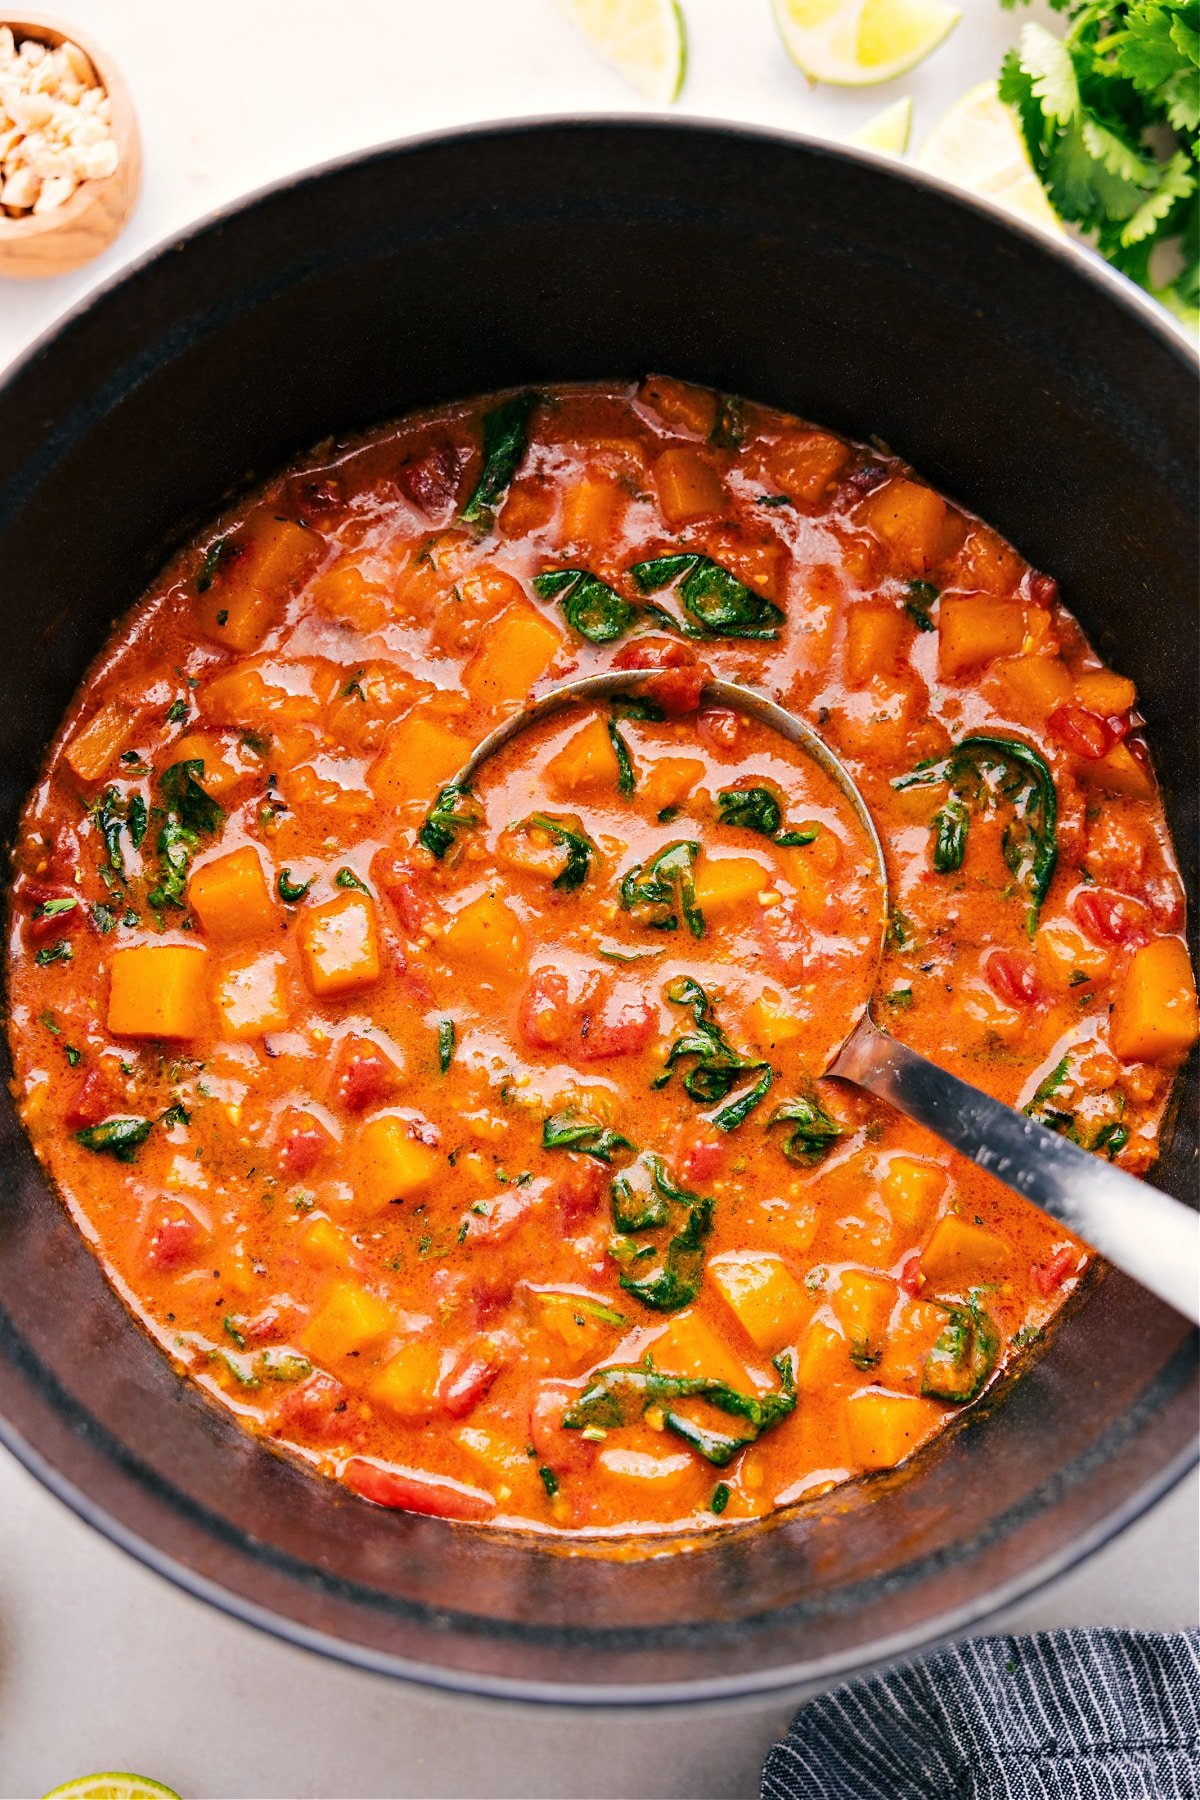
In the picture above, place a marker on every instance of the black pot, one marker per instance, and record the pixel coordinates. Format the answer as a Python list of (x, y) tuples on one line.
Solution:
[(1028, 382)]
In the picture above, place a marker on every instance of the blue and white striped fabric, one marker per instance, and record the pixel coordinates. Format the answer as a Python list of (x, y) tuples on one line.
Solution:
[(1063, 1715)]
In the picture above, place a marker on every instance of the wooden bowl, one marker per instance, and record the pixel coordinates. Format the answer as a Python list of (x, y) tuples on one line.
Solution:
[(51, 243)]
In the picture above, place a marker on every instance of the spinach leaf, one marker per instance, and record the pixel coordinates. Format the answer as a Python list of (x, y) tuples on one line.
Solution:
[(191, 814), (626, 779), (119, 1138), (346, 878), (579, 847), (138, 820), (758, 809), (720, 604), (454, 811), (622, 1393), (58, 952), (921, 596), (592, 608), (107, 814), (505, 433), (676, 1281), (985, 769), (716, 1066), (660, 892), (813, 1131), (729, 427), (54, 909), (962, 1359), (292, 892), (573, 1131), (643, 1197), (284, 1365), (949, 826), (445, 1037), (213, 557)]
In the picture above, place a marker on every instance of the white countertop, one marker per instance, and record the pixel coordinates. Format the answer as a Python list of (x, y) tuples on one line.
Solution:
[(102, 1664)]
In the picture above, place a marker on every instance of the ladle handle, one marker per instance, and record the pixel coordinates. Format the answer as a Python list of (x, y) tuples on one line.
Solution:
[(1144, 1232)]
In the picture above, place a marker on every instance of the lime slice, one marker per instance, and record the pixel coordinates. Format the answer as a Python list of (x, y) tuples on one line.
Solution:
[(979, 145), (644, 40), (856, 43), (887, 130), (113, 1786)]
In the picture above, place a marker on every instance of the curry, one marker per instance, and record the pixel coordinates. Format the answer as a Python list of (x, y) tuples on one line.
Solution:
[(471, 1140)]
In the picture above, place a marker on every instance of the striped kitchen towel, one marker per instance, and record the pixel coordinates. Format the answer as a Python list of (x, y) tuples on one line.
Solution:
[(1063, 1715)]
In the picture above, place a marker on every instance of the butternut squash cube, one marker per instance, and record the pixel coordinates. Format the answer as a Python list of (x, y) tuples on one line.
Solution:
[(910, 1340), (822, 1359), (345, 595), (237, 618), (1154, 1017), (587, 764), (680, 403), (809, 881), (93, 748), (774, 1022), (885, 1428), (912, 1189), (513, 656), (804, 466), (914, 522), (591, 507), (1063, 951), (1119, 772), (322, 1243), (485, 939), (408, 1382), (762, 1294), (391, 1164), (648, 1471), (960, 1254), (1036, 683), (690, 1347), (974, 628), (863, 1305), (339, 945), (230, 896), (582, 1328), (725, 883), (688, 486), (669, 780), (158, 991), (1105, 692), (222, 772), (874, 639), (250, 997), (418, 758), (349, 1319)]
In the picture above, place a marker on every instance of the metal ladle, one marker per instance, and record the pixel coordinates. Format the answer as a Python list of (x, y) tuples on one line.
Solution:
[(1143, 1231)]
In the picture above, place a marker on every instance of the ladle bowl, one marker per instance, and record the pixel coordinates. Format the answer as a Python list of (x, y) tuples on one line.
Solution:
[(1149, 1235)]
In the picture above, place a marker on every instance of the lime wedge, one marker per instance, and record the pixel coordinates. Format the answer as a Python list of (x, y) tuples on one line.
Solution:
[(887, 130), (978, 144), (857, 43), (113, 1786), (644, 40)]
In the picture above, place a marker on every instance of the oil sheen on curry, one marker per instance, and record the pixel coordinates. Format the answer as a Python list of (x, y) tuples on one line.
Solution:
[(473, 1141)]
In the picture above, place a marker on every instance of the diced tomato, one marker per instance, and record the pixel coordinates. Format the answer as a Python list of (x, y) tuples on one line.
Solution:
[(316, 1409), (678, 691), (911, 1278), (469, 1380), (1084, 732), (569, 1452), (35, 895), (95, 1098), (1043, 589), (623, 1026), (363, 1075), (1165, 900), (654, 653), (303, 1142), (1051, 1274), (401, 882), (701, 1160), (787, 940), (549, 1013), (313, 501), (1011, 978), (176, 1237), (1110, 919), (431, 481), (720, 727), (63, 860), (578, 1192), (275, 1324), (407, 1490)]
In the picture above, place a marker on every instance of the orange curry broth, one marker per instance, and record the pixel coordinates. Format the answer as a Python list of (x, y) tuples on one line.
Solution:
[(292, 1071)]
